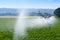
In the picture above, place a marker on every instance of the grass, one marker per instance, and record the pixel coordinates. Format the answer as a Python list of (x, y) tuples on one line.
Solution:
[(51, 32), (45, 33), (6, 28)]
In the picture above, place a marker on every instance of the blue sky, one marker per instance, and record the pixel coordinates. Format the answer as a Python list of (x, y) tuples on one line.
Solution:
[(29, 4)]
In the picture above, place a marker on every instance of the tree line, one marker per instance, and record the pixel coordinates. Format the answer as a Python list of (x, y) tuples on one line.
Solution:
[(46, 15)]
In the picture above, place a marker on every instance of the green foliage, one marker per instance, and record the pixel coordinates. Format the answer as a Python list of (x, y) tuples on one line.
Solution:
[(6, 28), (46, 15), (57, 12), (51, 32)]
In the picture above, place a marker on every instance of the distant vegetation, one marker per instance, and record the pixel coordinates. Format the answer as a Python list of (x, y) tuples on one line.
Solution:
[(31, 12), (8, 12), (46, 15), (57, 12)]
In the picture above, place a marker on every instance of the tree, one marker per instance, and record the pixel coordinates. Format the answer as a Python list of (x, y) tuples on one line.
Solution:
[(39, 14), (57, 12), (45, 15)]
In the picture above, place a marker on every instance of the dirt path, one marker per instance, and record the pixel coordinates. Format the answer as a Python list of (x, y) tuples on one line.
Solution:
[(22, 17)]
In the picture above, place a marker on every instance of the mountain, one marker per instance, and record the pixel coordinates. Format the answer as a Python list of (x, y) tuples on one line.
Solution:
[(8, 11), (50, 11), (14, 11), (36, 11)]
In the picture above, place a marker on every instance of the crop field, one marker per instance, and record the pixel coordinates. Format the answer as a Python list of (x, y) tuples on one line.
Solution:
[(6, 28), (51, 32)]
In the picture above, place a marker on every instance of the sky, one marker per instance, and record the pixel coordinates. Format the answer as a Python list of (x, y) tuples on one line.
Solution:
[(30, 4)]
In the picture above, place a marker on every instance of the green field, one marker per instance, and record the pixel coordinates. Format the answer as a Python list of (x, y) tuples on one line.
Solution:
[(6, 28), (45, 33)]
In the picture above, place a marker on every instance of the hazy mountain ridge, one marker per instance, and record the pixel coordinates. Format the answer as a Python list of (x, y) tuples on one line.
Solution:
[(50, 11), (14, 11), (7, 10)]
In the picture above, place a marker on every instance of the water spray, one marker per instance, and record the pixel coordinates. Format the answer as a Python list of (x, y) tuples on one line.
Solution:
[(22, 23)]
